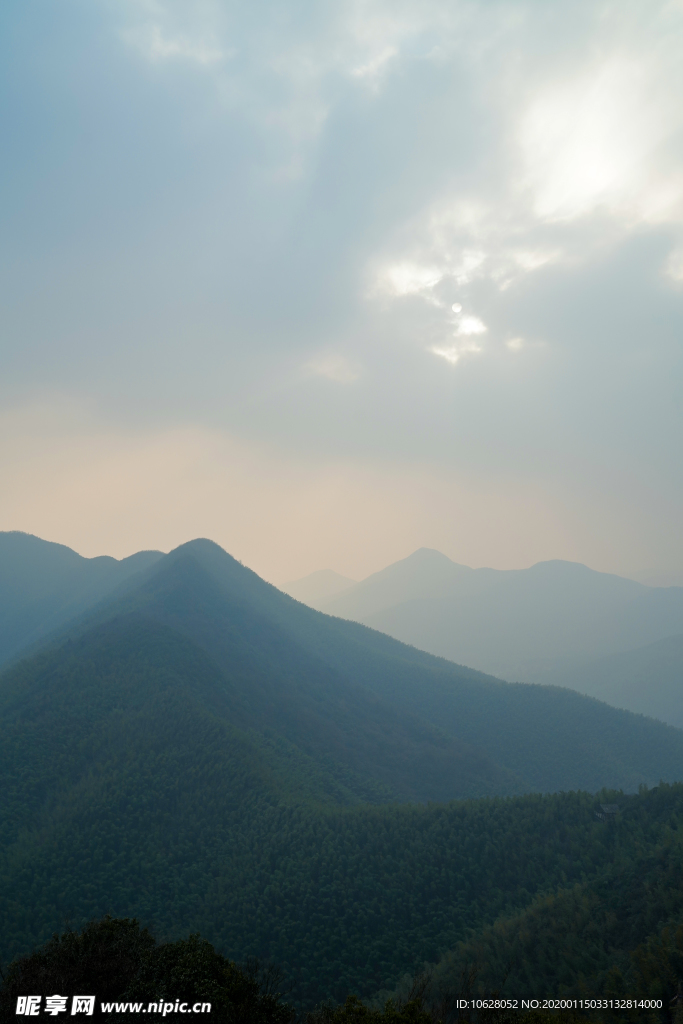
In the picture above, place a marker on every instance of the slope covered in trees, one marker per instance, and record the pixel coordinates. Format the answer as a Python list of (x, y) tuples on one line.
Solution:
[(616, 935), (350, 900)]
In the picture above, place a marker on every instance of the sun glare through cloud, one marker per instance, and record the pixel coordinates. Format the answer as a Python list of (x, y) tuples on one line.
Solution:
[(315, 214), (595, 142)]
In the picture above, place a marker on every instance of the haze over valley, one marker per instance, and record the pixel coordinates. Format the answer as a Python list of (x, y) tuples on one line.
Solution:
[(557, 622)]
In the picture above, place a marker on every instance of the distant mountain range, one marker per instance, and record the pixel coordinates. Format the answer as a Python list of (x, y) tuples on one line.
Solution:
[(556, 623), (201, 751)]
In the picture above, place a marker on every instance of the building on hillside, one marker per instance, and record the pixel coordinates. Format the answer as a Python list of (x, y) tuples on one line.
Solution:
[(607, 811)]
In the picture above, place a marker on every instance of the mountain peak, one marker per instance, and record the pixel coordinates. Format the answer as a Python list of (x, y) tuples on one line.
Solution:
[(204, 546), (429, 554)]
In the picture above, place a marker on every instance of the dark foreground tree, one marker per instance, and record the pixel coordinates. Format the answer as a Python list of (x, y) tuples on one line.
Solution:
[(119, 962)]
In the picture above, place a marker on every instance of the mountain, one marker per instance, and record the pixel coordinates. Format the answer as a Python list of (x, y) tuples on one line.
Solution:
[(416, 726), (45, 585), (318, 586), (557, 623), (648, 680), (350, 691), (424, 575), (540, 624), (203, 752)]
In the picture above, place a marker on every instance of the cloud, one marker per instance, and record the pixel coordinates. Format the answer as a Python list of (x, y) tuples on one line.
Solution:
[(409, 279), (156, 46), (259, 219), (471, 325), (596, 141), (454, 353), (674, 265), (376, 66), (160, 32), (586, 156), (333, 367)]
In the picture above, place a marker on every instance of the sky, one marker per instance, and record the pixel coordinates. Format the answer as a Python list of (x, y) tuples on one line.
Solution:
[(330, 282)]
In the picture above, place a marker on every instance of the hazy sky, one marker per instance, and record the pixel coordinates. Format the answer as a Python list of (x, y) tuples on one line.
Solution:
[(328, 282)]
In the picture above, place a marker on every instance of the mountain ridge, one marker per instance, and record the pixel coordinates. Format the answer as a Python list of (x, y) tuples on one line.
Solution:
[(43, 585), (245, 617), (539, 624)]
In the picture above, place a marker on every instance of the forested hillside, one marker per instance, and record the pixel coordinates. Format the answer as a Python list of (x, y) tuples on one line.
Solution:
[(618, 934), (350, 900), (204, 753)]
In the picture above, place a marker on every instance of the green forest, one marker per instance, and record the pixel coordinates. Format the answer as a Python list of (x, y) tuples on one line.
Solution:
[(350, 899)]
